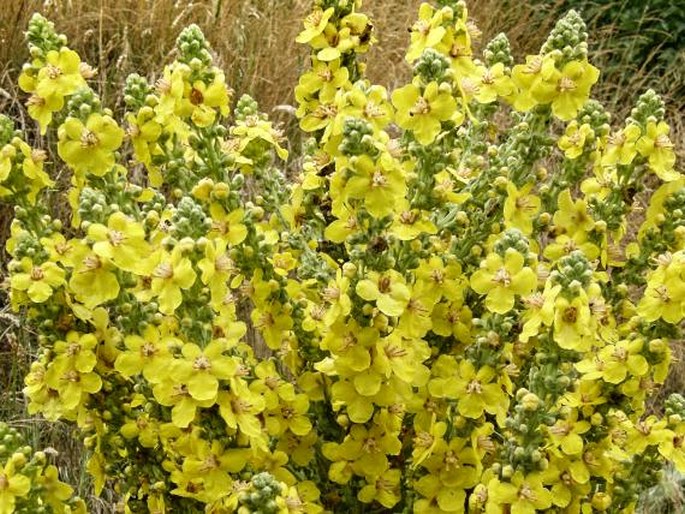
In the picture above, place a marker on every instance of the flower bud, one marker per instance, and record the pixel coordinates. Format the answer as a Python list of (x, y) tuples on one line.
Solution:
[(601, 501), (530, 402)]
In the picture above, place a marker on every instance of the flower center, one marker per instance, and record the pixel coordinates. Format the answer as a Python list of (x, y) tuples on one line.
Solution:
[(35, 101), (488, 78), (420, 107), (409, 217), (370, 445), (662, 141), (240, 406), (423, 440), (378, 180), (570, 315), (163, 86), (566, 84), (502, 277), (451, 461), (92, 262), (394, 352), (37, 273), (73, 349), (164, 271), (202, 363), (116, 237), (148, 350), (474, 387), (486, 443), (526, 493), (223, 263), (384, 285), (196, 96), (89, 139), (371, 110), (53, 71), (331, 293), (534, 66)]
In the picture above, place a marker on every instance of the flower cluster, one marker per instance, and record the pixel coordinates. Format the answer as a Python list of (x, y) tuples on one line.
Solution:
[(28, 483), (441, 313)]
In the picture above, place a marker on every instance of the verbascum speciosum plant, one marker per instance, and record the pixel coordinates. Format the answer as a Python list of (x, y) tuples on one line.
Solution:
[(446, 311)]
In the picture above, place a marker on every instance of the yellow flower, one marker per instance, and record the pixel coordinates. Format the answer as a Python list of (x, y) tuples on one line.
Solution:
[(13, 485), (283, 263), (615, 362), (427, 32), (93, 281), (493, 83), (272, 321), (539, 311), (567, 433), (228, 226), (38, 281), (42, 109), (477, 391), (452, 319), (573, 88), (335, 295), (289, 415), (60, 76), (573, 323), (324, 79), (564, 245), (144, 131), (202, 368), (144, 428), (410, 224), (217, 269), (416, 321), (403, 357), (621, 146), (454, 463), (535, 79), (570, 480), (77, 352), (359, 407), (314, 24), (173, 273), (239, 407), (369, 103), (122, 242), (89, 147), (379, 184), (423, 112), (525, 494), (213, 465), (173, 393), (72, 385), (665, 294), (385, 489), (202, 101), (502, 279), (388, 290), (572, 216), (658, 148), (56, 493), (574, 139), (436, 279), (520, 208)]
